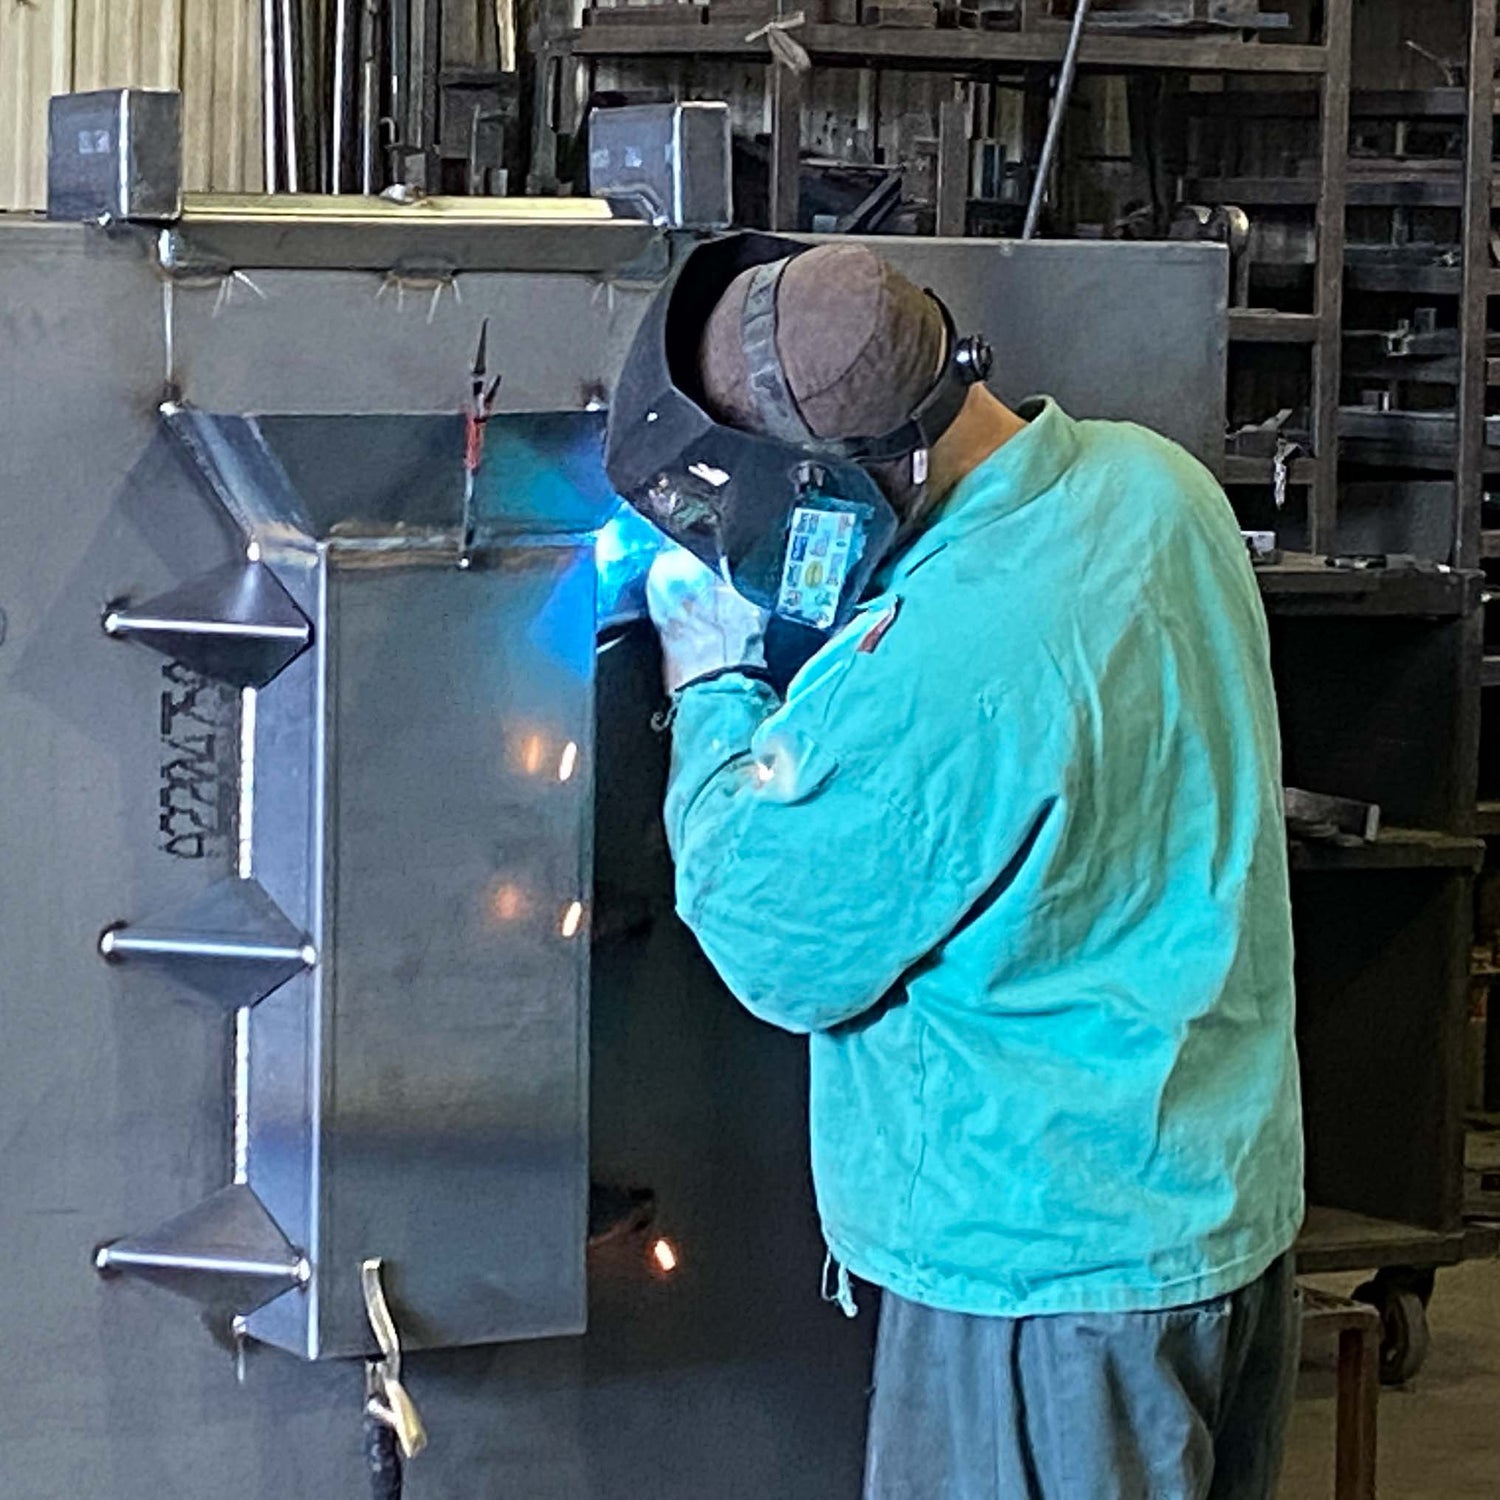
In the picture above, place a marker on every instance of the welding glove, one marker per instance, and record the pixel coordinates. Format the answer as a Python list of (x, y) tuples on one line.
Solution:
[(705, 626)]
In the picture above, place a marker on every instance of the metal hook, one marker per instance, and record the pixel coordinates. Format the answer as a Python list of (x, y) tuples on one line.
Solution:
[(385, 1397)]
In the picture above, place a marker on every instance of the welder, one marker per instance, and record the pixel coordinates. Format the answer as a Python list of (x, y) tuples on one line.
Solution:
[(1009, 849)]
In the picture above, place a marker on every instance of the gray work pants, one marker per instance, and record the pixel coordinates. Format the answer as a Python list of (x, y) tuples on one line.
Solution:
[(1186, 1404)]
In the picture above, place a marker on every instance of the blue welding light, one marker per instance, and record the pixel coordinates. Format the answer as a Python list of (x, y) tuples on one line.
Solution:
[(623, 551)]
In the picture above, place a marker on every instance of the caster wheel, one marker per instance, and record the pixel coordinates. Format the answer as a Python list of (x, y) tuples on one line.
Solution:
[(1404, 1333), (1419, 1279)]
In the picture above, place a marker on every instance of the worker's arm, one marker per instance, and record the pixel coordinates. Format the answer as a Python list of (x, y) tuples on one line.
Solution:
[(827, 844), (813, 886)]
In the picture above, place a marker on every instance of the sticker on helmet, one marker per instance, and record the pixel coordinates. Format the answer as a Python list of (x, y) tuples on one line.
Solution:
[(811, 593)]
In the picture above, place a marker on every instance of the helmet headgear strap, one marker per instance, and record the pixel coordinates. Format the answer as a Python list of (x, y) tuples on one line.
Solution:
[(765, 376), (967, 361)]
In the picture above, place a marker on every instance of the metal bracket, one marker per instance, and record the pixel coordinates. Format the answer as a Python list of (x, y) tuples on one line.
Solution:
[(230, 944), (236, 624), (225, 1252)]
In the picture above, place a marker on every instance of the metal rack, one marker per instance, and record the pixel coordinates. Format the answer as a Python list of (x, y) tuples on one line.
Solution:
[(1475, 543), (1463, 441), (573, 56)]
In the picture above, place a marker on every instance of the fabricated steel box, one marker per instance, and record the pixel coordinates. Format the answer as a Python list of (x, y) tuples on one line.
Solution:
[(402, 933), (115, 154), (670, 160)]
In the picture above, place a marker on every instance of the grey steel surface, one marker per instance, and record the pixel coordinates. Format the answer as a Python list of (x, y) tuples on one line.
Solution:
[(1142, 333), (554, 338), (729, 1379), (416, 253), (666, 163), (115, 154), (453, 1107), (1131, 331)]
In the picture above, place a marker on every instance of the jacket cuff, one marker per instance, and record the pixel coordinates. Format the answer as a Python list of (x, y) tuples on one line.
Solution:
[(753, 673)]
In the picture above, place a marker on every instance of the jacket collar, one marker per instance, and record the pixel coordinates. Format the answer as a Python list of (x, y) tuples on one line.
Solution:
[(1012, 476)]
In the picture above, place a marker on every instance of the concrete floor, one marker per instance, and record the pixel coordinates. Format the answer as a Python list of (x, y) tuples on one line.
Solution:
[(1439, 1437)]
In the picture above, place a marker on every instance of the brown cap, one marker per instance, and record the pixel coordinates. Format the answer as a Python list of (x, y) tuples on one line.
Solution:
[(859, 343)]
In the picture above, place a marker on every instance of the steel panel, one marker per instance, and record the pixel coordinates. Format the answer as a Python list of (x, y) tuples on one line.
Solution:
[(1145, 340), (231, 353), (113, 1094), (1171, 324), (730, 1380), (407, 933)]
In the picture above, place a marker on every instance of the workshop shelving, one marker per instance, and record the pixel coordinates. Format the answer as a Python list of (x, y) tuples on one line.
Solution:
[(1423, 411), (1247, 468), (1475, 545), (1262, 325), (1393, 848), (944, 50), (1370, 185), (974, 59), (1300, 586), (1333, 1235), (1419, 280)]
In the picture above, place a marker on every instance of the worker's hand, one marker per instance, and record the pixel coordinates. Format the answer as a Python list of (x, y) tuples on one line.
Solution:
[(705, 626)]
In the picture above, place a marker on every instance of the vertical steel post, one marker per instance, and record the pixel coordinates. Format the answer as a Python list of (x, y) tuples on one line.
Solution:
[(952, 167), (1478, 278), (270, 113), (1322, 499), (786, 145), (286, 38)]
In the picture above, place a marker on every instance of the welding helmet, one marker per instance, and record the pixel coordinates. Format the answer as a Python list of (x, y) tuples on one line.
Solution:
[(795, 522)]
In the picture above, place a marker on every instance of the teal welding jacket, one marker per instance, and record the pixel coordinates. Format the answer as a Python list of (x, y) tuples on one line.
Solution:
[(1012, 852)]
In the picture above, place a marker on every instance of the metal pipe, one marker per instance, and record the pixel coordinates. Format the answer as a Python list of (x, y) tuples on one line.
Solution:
[(369, 94), (505, 35), (342, 100), (287, 40), (111, 1258), (413, 133), (120, 943), (310, 70), (1054, 120), (398, 41), (270, 159)]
